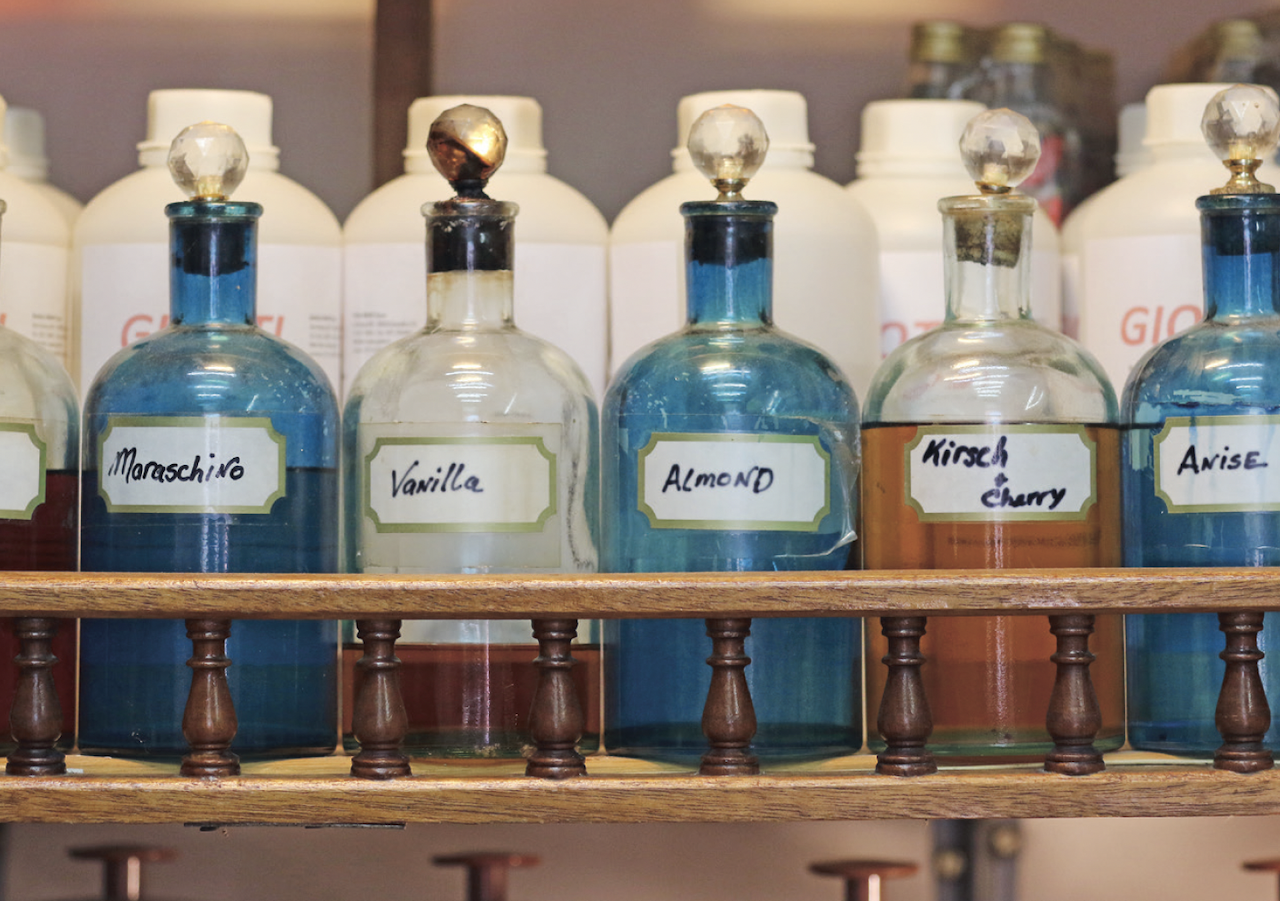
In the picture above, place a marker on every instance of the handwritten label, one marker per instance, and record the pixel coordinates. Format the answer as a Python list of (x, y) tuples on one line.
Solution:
[(22, 475), (736, 480), (459, 484), (1218, 464), (1006, 473), (190, 464)]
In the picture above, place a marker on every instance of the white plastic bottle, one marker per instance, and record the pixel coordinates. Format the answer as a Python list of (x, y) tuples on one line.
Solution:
[(910, 160), (559, 250), (24, 136), (1138, 242), (824, 245), (120, 282), (33, 279)]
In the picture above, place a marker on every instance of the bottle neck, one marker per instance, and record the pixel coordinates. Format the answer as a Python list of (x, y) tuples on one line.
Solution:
[(214, 251), (1240, 236), (987, 256), (729, 263), (470, 251)]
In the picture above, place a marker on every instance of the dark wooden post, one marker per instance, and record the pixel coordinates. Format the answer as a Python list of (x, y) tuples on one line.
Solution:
[(122, 874), (1243, 716), (904, 722), (863, 878), (487, 872), (556, 720), (401, 73), (729, 717), (378, 717), (35, 720), (209, 722), (1074, 716)]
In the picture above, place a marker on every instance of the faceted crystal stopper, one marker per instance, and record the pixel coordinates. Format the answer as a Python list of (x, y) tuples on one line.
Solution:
[(467, 145), (208, 160), (728, 145), (1242, 125), (1000, 149)]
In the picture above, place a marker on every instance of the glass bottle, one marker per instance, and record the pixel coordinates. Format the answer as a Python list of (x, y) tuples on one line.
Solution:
[(940, 60), (1202, 411), (730, 446), (210, 447), (40, 444), (471, 447), (991, 442)]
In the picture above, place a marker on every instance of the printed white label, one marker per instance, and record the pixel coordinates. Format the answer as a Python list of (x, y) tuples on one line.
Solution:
[(736, 480), (190, 464), (645, 284), (124, 296), (1005, 473), (33, 294), (559, 296), (1218, 464), (1137, 291), (22, 476), (434, 483)]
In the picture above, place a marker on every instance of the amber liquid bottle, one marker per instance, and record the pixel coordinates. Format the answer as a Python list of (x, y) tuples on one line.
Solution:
[(991, 442)]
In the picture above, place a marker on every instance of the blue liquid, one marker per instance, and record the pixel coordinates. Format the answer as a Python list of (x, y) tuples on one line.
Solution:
[(133, 674), (1228, 365)]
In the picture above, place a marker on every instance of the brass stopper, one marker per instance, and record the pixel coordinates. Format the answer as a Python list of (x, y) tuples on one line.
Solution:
[(467, 145)]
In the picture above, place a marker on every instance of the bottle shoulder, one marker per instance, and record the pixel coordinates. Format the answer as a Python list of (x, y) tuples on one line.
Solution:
[(757, 371), (30, 216), (33, 383), (1010, 370)]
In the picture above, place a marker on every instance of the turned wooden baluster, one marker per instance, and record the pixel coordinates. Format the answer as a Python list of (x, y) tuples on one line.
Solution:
[(1243, 716), (35, 720), (904, 721), (1074, 716), (556, 720), (729, 718), (209, 721), (122, 874), (487, 872), (863, 878), (378, 718)]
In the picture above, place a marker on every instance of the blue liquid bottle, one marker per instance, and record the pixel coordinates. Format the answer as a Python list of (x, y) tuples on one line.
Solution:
[(211, 447), (730, 447), (1201, 468)]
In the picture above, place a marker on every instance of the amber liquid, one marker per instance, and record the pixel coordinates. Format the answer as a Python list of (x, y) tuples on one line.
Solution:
[(46, 541), (988, 679), (473, 700)]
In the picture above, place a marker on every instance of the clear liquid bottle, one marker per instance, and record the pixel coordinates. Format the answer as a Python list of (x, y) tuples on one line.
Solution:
[(560, 250), (730, 446), (39, 494), (210, 447), (471, 447), (1202, 412), (991, 442)]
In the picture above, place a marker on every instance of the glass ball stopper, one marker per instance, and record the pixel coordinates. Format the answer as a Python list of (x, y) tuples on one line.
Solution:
[(1000, 149), (1242, 125), (208, 160), (467, 144), (728, 145)]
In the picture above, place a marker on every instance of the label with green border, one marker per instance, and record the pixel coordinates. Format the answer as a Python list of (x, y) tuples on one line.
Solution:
[(1218, 464), (22, 477), (1003, 473), (459, 483), (741, 481), (190, 464)]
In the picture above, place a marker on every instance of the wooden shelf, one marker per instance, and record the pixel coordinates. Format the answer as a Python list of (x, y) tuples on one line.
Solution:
[(320, 791)]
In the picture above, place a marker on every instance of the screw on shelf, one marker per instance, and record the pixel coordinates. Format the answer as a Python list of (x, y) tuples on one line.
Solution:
[(209, 721), (556, 720), (378, 718), (729, 717), (1263, 866), (487, 871), (863, 877), (35, 719), (904, 721), (1074, 716), (1243, 716), (122, 873)]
